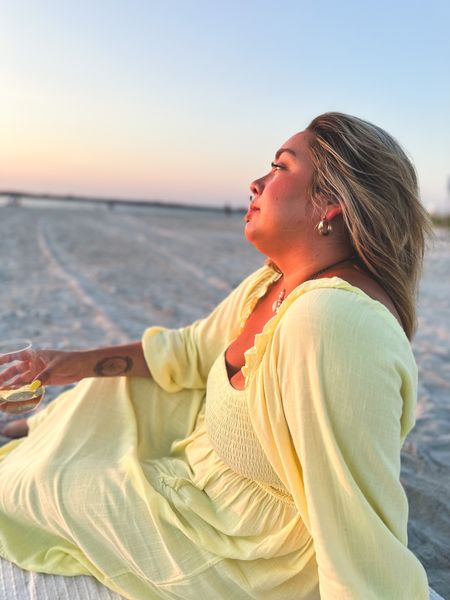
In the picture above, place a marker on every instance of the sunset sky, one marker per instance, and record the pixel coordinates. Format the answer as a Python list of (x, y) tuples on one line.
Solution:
[(187, 101)]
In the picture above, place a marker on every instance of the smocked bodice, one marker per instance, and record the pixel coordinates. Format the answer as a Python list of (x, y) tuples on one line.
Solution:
[(230, 430)]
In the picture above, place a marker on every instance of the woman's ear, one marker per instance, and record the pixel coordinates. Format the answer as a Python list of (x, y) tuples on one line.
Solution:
[(333, 211)]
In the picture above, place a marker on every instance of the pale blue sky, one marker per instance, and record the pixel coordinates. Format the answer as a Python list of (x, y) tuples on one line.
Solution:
[(187, 101)]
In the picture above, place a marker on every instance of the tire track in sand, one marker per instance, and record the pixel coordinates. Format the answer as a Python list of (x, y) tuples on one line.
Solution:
[(83, 289)]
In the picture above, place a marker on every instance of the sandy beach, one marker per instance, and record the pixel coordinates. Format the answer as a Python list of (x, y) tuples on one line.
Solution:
[(80, 278)]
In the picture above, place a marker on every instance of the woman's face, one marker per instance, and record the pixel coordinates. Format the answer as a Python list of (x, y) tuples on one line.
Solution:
[(281, 213)]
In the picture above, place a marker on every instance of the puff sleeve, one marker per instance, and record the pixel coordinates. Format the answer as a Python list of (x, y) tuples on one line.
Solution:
[(181, 358), (347, 380)]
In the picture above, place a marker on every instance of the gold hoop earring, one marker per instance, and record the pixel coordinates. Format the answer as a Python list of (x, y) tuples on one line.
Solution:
[(324, 227)]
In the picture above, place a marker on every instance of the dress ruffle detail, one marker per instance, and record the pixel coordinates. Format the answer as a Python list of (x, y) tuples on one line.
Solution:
[(268, 277)]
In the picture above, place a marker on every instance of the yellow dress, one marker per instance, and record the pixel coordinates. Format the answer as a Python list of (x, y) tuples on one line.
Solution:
[(182, 487)]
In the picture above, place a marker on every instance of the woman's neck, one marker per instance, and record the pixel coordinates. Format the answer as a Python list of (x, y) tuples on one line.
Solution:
[(308, 267)]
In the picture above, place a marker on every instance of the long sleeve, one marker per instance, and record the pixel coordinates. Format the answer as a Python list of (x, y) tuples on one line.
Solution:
[(347, 380), (181, 358)]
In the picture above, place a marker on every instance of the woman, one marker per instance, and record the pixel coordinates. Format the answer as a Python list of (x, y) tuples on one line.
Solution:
[(255, 453)]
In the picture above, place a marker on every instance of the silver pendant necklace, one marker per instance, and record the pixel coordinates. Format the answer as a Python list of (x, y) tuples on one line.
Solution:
[(282, 295), (279, 301)]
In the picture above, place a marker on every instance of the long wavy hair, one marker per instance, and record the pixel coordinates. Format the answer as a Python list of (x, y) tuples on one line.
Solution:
[(364, 169)]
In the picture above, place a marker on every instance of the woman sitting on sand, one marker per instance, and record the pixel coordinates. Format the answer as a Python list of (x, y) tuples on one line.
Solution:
[(256, 452)]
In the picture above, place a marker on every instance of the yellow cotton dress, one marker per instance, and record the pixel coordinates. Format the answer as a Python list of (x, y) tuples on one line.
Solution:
[(182, 487)]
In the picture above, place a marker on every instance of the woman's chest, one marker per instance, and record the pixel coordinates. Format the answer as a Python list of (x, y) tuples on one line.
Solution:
[(235, 353)]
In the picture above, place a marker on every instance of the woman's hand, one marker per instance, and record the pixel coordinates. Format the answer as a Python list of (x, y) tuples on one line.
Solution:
[(51, 367)]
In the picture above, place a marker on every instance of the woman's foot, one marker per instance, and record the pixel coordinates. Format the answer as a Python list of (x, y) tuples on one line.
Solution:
[(15, 429)]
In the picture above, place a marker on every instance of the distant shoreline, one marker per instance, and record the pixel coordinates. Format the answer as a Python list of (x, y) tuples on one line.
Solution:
[(15, 198)]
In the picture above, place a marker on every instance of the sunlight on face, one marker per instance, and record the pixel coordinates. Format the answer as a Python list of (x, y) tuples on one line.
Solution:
[(281, 211)]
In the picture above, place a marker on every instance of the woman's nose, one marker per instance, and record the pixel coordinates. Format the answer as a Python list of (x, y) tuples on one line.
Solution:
[(256, 187)]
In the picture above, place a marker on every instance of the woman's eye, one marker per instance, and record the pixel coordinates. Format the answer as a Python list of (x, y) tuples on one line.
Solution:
[(276, 166)]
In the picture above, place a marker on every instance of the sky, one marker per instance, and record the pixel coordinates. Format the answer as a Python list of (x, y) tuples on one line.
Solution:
[(187, 101)]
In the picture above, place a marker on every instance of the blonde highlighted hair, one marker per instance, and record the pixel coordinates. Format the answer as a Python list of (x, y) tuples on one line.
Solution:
[(363, 169)]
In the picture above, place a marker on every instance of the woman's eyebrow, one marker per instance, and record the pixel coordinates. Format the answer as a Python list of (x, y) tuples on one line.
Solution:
[(281, 150)]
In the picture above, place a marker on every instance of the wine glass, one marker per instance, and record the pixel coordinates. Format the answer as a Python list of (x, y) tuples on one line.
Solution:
[(25, 398)]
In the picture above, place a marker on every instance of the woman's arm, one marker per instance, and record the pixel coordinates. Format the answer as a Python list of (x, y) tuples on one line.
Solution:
[(56, 367), (347, 382)]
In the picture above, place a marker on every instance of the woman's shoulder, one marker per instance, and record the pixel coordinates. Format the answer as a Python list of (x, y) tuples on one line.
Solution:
[(333, 323), (332, 305)]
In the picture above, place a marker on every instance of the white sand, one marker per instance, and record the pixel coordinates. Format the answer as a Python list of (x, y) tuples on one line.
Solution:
[(83, 278)]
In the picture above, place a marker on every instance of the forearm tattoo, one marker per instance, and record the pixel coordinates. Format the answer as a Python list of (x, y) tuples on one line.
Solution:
[(113, 365)]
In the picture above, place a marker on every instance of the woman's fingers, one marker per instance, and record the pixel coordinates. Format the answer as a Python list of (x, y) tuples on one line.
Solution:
[(19, 380), (14, 370), (51, 367), (21, 362), (12, 356)]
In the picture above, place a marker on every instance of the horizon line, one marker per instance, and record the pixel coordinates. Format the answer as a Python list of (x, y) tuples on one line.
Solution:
[(15, 196)]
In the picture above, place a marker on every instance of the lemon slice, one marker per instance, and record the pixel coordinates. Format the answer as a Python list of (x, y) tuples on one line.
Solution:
[(26, 392), (35, 385)]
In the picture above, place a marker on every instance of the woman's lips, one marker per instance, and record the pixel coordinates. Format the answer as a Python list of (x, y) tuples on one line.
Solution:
[(250, 211)]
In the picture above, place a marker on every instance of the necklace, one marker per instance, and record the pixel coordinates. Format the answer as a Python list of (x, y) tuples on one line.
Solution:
[(281, 296)]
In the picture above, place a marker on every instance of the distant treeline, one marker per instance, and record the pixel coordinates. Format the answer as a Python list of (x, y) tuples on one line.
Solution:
[(441, 220)]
